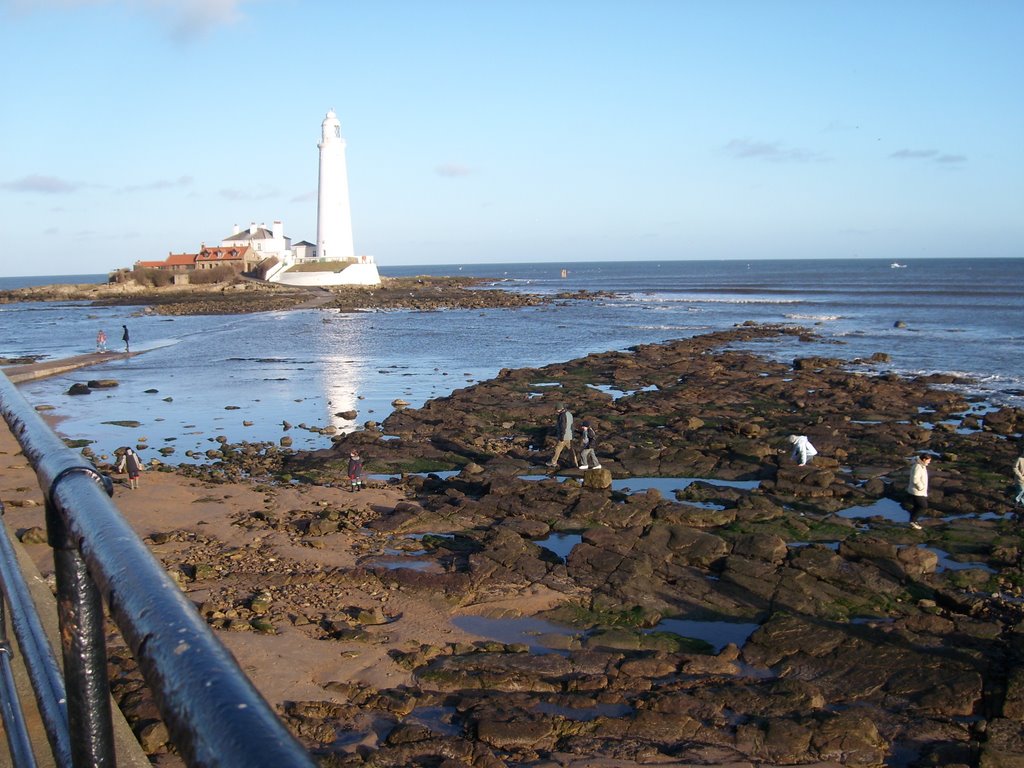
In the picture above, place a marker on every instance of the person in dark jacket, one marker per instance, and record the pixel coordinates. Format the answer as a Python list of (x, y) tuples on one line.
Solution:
[(131, 463), (355, 472), (124, 338), (563, 433), (588, 441)]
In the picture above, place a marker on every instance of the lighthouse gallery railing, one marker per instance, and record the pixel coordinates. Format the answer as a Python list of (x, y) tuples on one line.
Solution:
[(214, 714)]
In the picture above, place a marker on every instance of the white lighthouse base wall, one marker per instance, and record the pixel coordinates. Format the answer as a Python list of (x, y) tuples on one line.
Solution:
[(353, 274)]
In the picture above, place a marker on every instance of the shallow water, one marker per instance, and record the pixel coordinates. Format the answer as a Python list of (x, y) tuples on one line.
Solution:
[(667, 486), (242, 376), (527, 630), (717, 634), (561, 544), (890, 509)]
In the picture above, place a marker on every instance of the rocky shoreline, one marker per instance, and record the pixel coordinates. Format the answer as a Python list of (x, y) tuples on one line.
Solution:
[(423, 292), (847, 638)]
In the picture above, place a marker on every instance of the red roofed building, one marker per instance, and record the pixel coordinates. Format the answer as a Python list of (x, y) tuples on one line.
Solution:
[(175, 262), (239, 259)]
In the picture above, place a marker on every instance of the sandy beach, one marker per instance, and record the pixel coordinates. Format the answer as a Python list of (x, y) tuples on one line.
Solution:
[(292, 663)]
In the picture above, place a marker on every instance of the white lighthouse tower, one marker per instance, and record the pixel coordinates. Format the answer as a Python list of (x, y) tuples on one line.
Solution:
[(333, 213)]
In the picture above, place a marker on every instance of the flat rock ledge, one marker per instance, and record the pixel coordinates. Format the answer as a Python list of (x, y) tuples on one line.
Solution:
[(834, 640)]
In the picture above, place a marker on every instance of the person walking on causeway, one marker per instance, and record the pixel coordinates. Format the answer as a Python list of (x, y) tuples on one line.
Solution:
[(802, 449), (563, 432), (355, 472), (131, 463), (124, 338), (588, 441), (918, 488)]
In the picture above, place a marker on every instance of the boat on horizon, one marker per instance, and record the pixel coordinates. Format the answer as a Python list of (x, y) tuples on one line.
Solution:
[(897, 265)]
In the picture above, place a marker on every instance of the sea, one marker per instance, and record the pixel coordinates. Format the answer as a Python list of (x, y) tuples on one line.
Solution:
[(259, 377)]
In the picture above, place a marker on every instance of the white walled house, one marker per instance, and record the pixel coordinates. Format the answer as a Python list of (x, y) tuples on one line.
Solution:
[(266, 242), (304, 251)]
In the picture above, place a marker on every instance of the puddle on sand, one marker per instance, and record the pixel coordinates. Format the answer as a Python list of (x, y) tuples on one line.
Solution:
[(394, 563), (438, 719), (890, 509), (667, 486), (560, 544), (528, 630), (717, 634)]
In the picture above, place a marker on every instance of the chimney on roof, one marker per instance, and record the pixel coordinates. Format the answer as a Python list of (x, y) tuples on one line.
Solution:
[(278, 230), (252, 227), (236, 230)]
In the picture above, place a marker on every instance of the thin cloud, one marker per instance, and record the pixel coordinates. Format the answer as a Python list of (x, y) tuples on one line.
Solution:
[(452, 170), (159, 184), (772, 151), (42, 185), (248, 194), (305, 197), (184, 19), (928, 154)]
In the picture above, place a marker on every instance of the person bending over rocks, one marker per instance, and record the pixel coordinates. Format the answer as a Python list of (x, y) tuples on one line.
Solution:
[(802, 449), (588, 441), (131, 463), (918, 488)]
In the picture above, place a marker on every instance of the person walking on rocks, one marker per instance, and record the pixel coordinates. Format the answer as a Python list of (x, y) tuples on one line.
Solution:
[(588, 441), (101, 341), (918, 488), (802, 449), (131, 463), (124, 338), (563, 433), (1018, 474), (355, 472)]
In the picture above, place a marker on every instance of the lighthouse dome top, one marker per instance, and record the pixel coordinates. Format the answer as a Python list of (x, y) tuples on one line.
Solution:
[(331, 126)]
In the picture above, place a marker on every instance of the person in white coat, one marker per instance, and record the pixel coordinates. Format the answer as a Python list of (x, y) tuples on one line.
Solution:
[(917, 487), (1018, 475), (802, 449)]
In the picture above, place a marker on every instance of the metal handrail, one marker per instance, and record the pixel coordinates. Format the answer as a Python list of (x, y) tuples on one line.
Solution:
[(214, 714), (18, 741), (39, 661)]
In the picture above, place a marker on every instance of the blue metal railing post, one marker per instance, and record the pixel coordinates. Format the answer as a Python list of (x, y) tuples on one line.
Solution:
[(18, 742), (83, 641), (36, 652)]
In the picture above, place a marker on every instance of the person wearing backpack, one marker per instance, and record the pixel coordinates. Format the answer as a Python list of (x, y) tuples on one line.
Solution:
[(131, 463), (588, 441)]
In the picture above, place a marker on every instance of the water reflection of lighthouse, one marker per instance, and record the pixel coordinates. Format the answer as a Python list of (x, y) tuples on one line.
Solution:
[(342, 356)]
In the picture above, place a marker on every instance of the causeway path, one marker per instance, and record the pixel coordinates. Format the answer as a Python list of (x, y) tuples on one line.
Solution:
[(44, 368)]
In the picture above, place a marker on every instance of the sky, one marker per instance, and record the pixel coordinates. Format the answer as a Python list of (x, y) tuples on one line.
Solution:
[(486, 131)]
